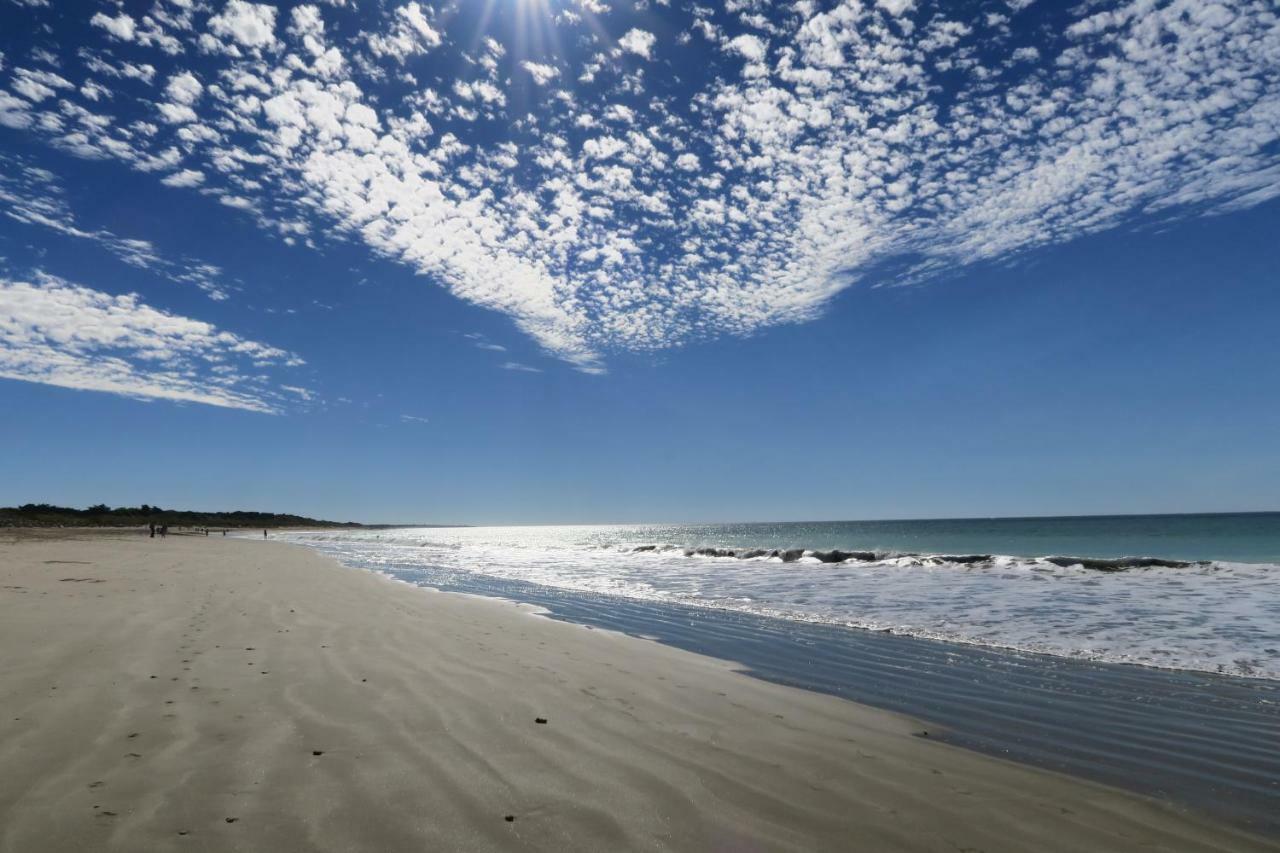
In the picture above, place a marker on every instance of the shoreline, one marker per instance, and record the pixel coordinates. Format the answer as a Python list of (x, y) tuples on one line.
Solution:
[(1187, 736), (799, 620), (422, 708)]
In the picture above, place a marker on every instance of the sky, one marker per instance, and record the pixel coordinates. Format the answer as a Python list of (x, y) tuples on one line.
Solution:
[(590, 261)]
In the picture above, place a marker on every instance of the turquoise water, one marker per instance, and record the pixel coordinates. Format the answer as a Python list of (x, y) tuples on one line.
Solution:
[(1237, 537)]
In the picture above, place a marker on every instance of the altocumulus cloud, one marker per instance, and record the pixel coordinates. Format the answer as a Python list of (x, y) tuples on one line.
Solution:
[(618, 204), (33, 196), (59, 333)]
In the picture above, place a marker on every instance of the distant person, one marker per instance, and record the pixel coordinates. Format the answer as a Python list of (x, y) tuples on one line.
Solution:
[(224, 533), (164, 531), (153, 530), (264, 534)]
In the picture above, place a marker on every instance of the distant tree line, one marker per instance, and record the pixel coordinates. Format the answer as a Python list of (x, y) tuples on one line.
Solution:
[(101, 515)]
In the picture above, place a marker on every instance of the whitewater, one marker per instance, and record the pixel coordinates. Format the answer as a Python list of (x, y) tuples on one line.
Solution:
[(1172, 607)]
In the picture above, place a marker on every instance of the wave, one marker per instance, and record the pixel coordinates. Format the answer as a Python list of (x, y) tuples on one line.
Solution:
[(792, 555), (1216, 616), (833, 556)]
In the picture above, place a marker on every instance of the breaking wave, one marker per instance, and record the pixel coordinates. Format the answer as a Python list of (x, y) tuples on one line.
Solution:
[(794, 555), (1215, 615)]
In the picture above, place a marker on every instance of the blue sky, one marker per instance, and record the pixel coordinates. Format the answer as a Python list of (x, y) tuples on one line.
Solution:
[(589, 261)]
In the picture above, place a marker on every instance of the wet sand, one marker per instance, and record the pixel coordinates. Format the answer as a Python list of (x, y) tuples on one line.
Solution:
[(222, 694), (1206, 742)]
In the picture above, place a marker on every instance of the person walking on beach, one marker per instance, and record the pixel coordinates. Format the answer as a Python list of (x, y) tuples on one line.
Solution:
[(264, 534), (153, 530)]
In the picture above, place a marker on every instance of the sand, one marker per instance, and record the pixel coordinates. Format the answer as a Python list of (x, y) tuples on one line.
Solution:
[(218, 694)]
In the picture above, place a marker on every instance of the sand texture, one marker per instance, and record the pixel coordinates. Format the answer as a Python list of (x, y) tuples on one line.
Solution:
[(233, 695)]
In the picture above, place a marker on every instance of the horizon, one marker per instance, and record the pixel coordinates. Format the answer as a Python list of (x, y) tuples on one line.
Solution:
[(667, 523), (893, 260)]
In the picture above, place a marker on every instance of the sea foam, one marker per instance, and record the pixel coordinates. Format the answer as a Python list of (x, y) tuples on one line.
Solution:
[(1209, 615)]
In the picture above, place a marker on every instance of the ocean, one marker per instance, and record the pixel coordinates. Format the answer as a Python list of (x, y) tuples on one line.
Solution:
[(1190, 592)]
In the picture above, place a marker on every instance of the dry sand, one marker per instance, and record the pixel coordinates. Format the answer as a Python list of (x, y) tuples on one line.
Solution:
[(218, 694)]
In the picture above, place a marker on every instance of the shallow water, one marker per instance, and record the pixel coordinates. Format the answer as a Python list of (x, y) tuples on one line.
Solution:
[(1025, 584)]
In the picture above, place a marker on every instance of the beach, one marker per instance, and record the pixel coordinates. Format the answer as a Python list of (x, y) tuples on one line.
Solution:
[(229, 694)]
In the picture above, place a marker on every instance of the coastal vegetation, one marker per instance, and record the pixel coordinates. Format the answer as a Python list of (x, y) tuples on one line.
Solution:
[(101, 515)]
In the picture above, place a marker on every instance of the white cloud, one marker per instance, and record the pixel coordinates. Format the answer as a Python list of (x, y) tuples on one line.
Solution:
[(541, 74), (35, 86), (306, 22), (414, 419), (896, 7), (518, 367), (479, 90), (603, 147), (237, 202), (410, 34), (15, 112), (184, 88), (176, 113), (184, 178), (750, 47), (804, 150), (639, 42), (121, 26), (58, 333), (251, 24)]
